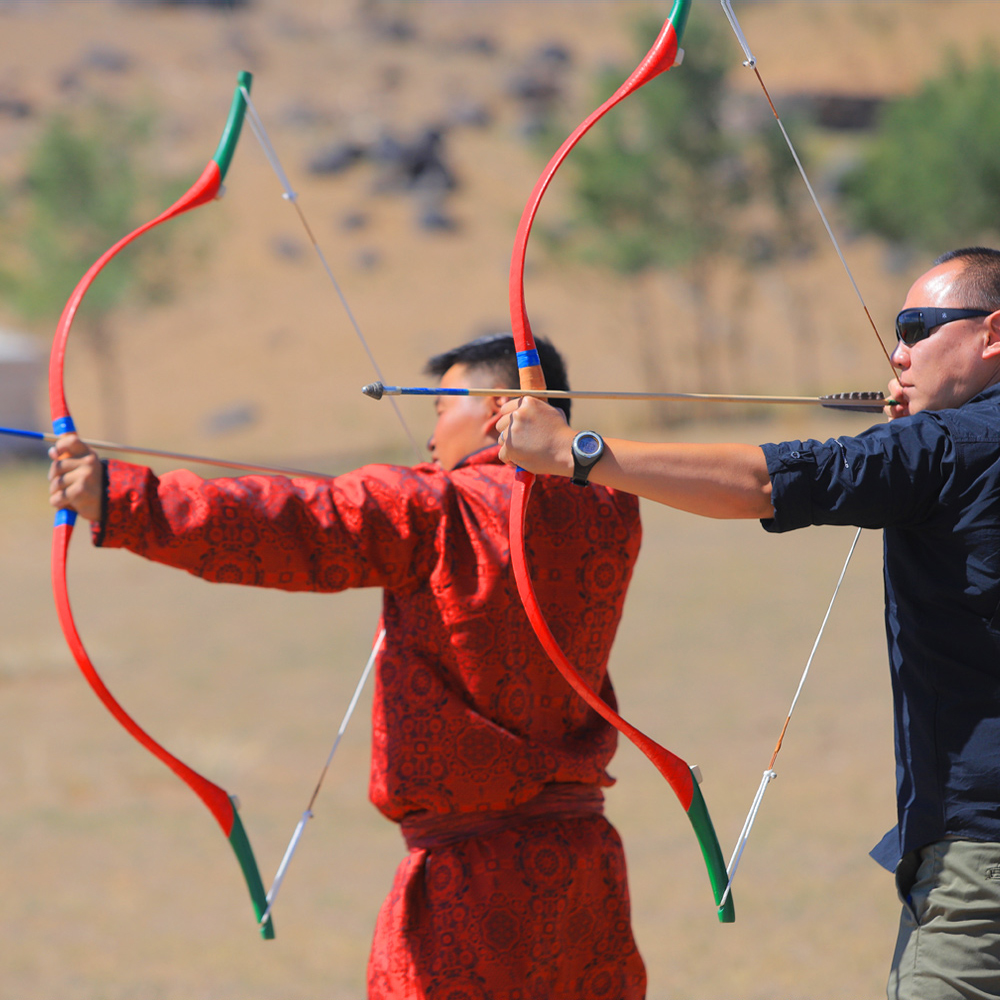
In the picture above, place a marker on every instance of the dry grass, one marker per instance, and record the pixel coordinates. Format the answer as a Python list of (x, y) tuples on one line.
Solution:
[(115, 881)]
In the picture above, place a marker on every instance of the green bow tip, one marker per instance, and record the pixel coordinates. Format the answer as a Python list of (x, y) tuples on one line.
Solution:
[(234, 123), (710, 851), (244, 854), (678, 18)]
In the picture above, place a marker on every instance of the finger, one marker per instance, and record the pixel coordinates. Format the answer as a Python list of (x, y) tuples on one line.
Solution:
[(58, 499), (70, 446), (57, 481), (503, 454), (60, 467)]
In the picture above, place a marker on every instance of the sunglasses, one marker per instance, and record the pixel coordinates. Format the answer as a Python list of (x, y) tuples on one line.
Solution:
[(913, 325)]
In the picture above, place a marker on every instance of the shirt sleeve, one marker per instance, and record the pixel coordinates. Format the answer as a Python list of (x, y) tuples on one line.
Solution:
[(890, 475), (375, 527)]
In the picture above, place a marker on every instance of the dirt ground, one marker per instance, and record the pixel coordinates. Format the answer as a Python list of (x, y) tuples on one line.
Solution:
[(116, 882)]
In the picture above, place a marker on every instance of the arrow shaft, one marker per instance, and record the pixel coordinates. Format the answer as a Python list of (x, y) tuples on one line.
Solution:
[(179, 456), (854, 400)]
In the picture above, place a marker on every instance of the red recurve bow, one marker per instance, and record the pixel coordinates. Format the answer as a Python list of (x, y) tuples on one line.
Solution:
[(219, 802), (682, 778)]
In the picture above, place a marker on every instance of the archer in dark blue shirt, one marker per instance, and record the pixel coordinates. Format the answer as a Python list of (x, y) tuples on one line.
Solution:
[(930, 479), (932, 482)]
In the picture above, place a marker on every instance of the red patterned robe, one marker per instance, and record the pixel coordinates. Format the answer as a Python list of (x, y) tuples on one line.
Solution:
[(514, 887)]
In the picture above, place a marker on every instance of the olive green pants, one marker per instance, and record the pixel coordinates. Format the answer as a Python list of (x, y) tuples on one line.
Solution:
[(949, 930)]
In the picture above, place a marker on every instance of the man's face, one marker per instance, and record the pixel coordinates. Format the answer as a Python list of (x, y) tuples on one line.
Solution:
[(464, 423), (957, 361)]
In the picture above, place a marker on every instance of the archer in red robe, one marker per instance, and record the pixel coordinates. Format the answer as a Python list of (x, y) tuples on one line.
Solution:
[(514, 885)]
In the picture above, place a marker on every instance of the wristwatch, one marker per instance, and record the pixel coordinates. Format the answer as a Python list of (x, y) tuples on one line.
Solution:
[(588, 446)]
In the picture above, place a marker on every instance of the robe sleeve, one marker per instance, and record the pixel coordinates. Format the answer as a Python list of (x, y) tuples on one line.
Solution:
[(375, 527)]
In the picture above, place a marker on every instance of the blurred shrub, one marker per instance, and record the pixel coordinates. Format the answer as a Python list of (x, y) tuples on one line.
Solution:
[(931, 177)]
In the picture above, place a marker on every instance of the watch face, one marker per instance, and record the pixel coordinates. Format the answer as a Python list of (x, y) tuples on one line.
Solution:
[(588, 445)]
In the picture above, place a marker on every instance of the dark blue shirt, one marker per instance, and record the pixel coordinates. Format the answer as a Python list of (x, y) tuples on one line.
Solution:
[(932, 483)]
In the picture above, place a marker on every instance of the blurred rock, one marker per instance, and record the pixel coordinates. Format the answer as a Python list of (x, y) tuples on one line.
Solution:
[(336, 158), (470, 114), (301, 114), (391, 77), (232, 418), (354, 221), (539, 86), (368, 259), (433, 218), (535, 87), (287, 248), (107, 59), (392, 29), (555, 54), (68, 80), (14, 107), (483, 45), (417, 165)]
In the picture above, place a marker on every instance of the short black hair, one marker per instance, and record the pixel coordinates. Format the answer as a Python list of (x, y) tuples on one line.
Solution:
[(496, 353), (979, 280)]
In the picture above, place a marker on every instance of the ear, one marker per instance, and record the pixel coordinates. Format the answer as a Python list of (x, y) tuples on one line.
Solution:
[(991, 349), (493, 405)]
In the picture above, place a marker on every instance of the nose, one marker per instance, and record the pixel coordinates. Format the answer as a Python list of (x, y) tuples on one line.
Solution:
[(900, 356)]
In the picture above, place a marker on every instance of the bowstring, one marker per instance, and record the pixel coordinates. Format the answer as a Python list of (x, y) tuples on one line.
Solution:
[(290, 195), (751, 63), (307, 815), (769, 773)]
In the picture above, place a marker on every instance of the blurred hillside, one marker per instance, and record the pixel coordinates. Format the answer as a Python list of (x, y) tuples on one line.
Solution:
[(253, 355)]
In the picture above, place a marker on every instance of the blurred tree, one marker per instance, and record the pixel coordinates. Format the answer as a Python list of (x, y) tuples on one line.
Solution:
[(931, 178), (79, 195), (654, 188)]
